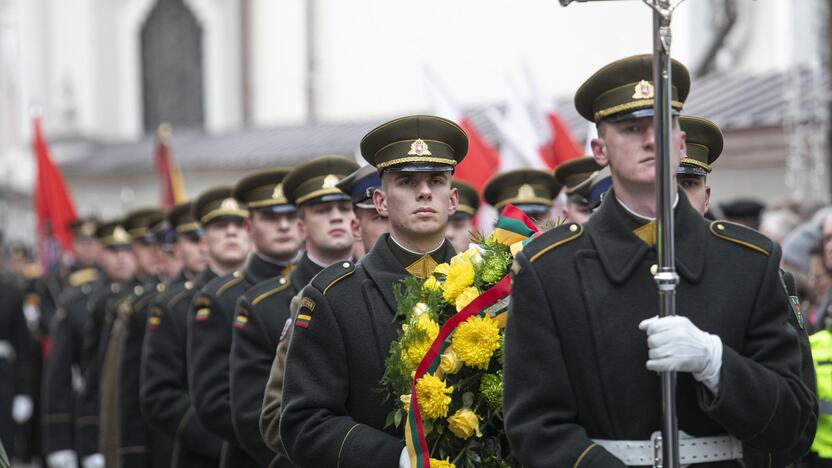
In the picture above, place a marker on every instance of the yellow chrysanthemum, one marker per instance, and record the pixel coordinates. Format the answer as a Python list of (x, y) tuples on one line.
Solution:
[(434, 397), (475, 341), (431, 284), (466, 297), (446, 463), (442, 268), (460, 276), (413, 353)]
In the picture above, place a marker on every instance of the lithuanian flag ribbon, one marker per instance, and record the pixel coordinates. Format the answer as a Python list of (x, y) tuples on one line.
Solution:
[(513, 228)]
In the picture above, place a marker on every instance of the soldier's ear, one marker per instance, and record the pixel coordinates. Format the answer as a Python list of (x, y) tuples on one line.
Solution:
[(599, 151), (454, 201), (380, 202)]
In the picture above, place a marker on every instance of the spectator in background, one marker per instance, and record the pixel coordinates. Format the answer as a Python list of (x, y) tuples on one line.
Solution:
[(743, 211), (816, 300), (777, 224)]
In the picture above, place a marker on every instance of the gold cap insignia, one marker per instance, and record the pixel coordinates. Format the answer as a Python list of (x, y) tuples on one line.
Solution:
[(87, 229), (120, 235), (330, 181), (230, 204), (644, 90), (278, 192), (419, 148), (525, 192)]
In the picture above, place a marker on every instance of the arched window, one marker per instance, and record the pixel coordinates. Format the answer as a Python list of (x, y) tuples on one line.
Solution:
[(172, 83)]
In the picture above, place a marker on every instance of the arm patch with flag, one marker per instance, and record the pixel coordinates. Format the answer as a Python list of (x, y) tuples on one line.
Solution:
[(307, 305)]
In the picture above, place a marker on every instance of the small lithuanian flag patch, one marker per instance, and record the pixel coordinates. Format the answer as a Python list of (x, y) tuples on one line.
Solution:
[(153, 322), (240, 320), (303, 320), (203, 314)]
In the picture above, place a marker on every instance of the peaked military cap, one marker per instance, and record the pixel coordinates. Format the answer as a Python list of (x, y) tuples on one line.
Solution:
[(595, 187), (625, 89), (83, 228), (181, 218), (360, 186), (576, 173), (416, 143), (217, 202), (113, 235), (531, 190), (469, 199), (316, 181), (264, 191), (140, 223), (704, 145)]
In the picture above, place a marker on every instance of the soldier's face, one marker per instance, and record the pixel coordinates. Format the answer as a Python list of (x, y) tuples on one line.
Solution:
[(147, 258), (192, 253), (629, 148), (327, 226), (227, 241), (457, 233), (576, 212), (275, 235), (85, 250), (118, 264), (698, 193), (417, 203), (369, 225)]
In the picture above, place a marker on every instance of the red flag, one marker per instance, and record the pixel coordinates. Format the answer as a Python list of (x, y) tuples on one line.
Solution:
[(561, 147), (482, 161), (53, 202), (170, 180)]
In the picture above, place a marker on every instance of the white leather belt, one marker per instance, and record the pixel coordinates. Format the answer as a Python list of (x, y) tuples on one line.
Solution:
[(691, 449), (6, 350)]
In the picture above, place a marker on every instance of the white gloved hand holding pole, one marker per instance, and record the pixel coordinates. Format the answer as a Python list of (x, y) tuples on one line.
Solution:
[(95, 460), (676, 344), (62, 459), (22, 408)]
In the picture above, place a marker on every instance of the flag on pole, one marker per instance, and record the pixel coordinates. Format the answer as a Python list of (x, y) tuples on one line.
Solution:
[(170, 179), (556, 143), (483, 160), (53, 203)]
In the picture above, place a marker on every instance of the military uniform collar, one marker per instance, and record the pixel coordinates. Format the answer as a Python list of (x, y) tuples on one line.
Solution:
[(420, 265), (258, 269), (385, 269), (620, 250), (304, 270)]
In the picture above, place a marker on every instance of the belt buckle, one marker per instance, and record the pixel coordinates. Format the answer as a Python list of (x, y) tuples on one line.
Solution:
[(656, 440)]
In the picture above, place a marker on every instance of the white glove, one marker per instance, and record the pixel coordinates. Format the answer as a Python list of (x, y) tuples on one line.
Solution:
[(404, 459), (676, 344), (21, 408), (95, 460), (62, 459)]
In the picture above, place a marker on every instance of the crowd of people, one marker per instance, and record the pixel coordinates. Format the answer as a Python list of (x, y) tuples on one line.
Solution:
[(249, 327)]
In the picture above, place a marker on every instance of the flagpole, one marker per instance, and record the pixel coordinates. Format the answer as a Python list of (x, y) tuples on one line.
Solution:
[(666, 277)]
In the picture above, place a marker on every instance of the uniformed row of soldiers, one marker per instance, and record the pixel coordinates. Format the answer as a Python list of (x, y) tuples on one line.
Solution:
[(250, 327)]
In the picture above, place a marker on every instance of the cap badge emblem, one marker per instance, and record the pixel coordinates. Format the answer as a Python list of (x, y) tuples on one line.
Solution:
[(330, 181), (120, 235), (230, 204), (87, 229), (644, 90), (278, 192), (525, 192), (419, 148)]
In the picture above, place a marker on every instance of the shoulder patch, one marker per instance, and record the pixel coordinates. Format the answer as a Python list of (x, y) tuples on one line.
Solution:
[(280, 285), (241, 318), (202, 300), (742, 235), (552, 239), (332, 274), (155, 316), (304, 317)]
